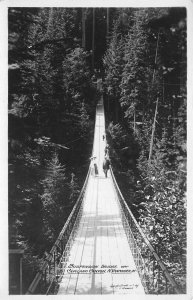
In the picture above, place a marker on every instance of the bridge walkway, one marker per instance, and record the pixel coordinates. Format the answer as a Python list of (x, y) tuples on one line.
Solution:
[(100, 259)]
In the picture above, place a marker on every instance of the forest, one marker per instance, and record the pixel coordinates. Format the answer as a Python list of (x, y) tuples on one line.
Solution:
[(55, 57)]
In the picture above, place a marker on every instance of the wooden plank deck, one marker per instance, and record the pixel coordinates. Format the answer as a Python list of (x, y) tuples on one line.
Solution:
[(100, 260)]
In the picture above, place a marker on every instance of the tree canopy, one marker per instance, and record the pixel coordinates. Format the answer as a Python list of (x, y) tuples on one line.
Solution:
[(145, 77)]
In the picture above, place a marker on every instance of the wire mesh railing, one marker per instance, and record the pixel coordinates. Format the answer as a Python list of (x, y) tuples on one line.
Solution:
[(47, 279), (152, 271)]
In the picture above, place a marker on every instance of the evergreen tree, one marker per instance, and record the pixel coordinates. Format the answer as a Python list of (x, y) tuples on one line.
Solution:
[(153, 100), (74, 189), (54, 198), (41, 42), (113, 63)]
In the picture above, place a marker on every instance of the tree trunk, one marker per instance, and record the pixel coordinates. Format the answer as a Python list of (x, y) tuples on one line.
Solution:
[(83, 28), (108, 24), (156, 56), (50, 20), (134, 124), (153, 132), (116, 111), (155, 61), (93, 38)]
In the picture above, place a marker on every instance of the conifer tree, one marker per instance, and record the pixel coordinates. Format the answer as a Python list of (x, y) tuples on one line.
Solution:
[(113, 63), (153, 96), (54, 197), (135, 73), (74, 189)]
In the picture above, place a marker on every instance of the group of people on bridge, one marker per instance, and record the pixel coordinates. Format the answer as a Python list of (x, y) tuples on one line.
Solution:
[(106, 162)]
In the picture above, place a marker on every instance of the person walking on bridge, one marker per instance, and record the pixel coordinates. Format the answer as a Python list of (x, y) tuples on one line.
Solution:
[(93, 166), (107, 150), (106, 164)]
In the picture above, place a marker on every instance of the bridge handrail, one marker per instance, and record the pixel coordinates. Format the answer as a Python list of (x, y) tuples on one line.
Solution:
[(159, 261), (49, 258)]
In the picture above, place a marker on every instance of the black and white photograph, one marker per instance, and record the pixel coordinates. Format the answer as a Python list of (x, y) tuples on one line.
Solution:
[(97, 150)]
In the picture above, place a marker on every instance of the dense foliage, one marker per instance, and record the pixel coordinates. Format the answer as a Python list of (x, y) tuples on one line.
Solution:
[(50, 110), (142, 55), (145, 74)]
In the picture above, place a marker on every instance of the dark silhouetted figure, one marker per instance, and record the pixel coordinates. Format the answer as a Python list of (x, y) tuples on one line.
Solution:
[(107, 150), (106, 164)]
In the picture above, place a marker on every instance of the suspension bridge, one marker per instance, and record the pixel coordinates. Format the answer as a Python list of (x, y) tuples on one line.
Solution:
[(101, 248)]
